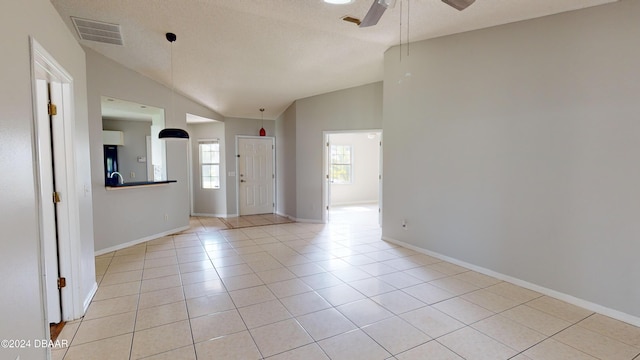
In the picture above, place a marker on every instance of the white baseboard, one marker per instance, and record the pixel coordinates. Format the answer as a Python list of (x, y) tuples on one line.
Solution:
[(354, 203), (311, 221), (293, 218), (87, 301), (612, 313), (138, 241), (286, 215), (209, 215)]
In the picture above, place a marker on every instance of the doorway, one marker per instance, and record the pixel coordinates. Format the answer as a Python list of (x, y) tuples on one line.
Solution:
[(57, 193), (256, 175), (352, 171)]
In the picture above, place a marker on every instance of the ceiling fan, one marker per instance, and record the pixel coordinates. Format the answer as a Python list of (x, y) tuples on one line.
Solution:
[(379, 6)]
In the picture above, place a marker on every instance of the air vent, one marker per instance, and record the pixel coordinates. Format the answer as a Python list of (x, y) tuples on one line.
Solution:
[(98, 31)]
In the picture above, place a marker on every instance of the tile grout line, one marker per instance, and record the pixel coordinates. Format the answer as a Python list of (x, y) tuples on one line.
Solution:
[(346, 243)]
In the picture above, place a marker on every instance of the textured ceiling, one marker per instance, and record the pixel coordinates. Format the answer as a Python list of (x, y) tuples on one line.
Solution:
[(236, 56)]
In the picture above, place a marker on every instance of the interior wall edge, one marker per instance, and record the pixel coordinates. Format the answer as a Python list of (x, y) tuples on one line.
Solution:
[(141, 240)]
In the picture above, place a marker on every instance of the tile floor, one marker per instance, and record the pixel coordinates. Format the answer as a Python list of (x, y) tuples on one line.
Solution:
[(237, 222), (312, 291)]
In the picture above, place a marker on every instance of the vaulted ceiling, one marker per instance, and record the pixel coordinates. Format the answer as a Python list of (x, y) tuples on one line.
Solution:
[(236, 56)]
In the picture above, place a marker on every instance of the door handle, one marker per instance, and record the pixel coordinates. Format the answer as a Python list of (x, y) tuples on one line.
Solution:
[(242, 180)]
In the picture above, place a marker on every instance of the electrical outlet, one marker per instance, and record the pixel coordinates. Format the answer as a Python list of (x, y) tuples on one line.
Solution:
[(404, 224), (166, 217), (133, 175)]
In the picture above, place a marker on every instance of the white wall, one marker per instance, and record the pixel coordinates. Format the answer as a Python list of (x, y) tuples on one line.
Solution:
[(22, 310), (358, 108), (212, 202), (130, 215), (515, 149), (365, 154)]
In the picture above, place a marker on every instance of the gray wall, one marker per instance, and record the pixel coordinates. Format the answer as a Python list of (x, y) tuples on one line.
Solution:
[(358, 108), (515, 149), (124, 216), (232, 128), (211, 202), (22, 301), (365, 155), (286, 162), (135, 144)]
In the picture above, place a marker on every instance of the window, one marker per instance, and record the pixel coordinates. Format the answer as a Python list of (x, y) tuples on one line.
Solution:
[(209, 163), (341, 158)]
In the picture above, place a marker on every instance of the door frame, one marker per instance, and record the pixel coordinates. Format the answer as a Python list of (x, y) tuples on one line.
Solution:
[(326, 188), (237, 181), (68, 217)]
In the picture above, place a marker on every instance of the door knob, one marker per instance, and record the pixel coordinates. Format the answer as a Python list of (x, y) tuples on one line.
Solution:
[(242, 180)]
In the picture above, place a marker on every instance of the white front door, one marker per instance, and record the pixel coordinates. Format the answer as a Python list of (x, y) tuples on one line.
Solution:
[(256, 175)]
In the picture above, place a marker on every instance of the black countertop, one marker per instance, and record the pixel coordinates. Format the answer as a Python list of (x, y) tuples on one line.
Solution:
[(140, 183)]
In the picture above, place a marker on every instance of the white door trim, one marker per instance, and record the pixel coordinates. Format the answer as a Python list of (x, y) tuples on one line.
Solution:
[(69, 245), (191, 177), (325, 170), (237, 181), (48, 224)]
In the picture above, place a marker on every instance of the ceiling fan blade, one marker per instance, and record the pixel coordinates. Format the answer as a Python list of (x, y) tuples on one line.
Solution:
[(458, 4), (375, 12)]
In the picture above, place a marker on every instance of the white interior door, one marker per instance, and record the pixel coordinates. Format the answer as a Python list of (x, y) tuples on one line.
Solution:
[(256, 175), (49, 226)]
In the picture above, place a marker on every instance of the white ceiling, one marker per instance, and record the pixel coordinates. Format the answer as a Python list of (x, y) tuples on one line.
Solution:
[(237, 56), (126, 110)]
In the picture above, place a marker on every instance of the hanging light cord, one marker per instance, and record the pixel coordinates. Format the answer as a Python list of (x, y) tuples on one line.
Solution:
[(408, 22), (262, 116), (400, 30), (171, 37), (173, 88)]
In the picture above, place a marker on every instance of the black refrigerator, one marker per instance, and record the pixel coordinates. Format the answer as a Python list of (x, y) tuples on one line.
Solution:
[(110, 164)]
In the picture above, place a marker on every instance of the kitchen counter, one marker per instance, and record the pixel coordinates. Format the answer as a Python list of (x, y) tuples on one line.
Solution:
[(137, 184)]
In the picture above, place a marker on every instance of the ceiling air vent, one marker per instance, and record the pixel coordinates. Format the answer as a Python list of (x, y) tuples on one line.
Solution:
[(98, 31)]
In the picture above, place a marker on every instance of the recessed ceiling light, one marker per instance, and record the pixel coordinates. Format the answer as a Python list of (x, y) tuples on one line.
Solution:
[(338, 2)]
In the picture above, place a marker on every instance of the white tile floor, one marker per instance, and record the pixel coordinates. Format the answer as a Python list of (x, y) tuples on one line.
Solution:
[(310, 291)]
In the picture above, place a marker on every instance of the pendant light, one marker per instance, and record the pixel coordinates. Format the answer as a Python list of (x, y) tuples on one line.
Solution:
[(172, 133), (263, 132)]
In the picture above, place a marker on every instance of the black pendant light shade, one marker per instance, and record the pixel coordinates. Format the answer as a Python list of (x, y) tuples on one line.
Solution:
[(170, 133)]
